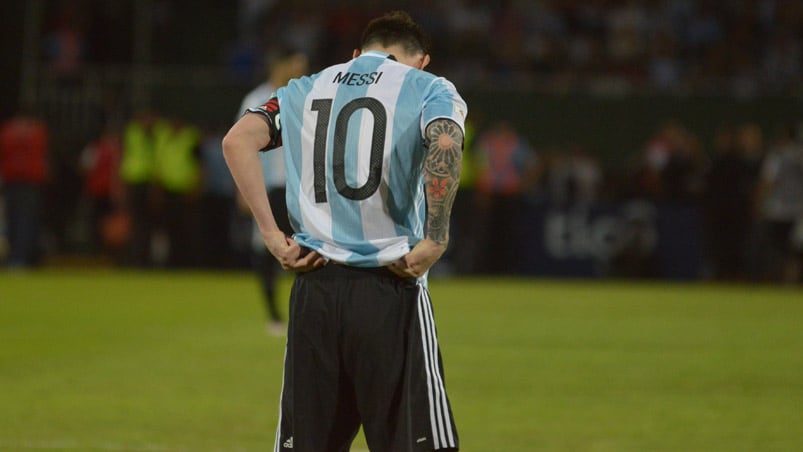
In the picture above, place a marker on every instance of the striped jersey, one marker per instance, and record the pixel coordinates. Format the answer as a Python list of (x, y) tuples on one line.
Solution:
[(353, 138)]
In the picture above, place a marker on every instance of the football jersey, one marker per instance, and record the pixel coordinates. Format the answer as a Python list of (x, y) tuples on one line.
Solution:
[(353, 138)]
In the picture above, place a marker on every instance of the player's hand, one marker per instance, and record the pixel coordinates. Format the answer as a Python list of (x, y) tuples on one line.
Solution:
[(419, 260), (292, 256)]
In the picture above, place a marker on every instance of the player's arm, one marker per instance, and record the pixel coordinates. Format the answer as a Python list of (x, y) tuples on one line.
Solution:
[(441, 178), (241, 145)]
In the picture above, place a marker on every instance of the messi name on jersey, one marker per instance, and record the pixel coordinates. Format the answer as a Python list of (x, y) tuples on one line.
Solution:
[(357, 79)]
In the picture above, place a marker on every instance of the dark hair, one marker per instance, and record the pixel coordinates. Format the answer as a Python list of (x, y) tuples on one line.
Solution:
[(396, 27)]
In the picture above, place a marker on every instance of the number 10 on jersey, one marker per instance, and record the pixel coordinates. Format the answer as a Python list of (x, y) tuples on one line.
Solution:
[(324, 109)]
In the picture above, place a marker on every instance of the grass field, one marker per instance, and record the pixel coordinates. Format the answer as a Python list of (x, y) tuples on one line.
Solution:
[(114, 361)]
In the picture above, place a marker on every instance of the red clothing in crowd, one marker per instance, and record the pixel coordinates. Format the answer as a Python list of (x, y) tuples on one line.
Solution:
[(102, 162), (23, 151)]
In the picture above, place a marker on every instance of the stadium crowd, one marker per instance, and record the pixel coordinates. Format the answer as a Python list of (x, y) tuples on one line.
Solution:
[(743, 47), (156, 193)]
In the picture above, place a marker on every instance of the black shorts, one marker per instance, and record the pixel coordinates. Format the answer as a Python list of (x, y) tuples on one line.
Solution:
[(362, 349)]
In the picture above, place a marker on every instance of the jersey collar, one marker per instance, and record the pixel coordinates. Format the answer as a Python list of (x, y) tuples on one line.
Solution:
[(379, 54)]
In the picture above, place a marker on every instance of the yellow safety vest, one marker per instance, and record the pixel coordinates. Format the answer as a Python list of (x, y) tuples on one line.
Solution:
[(136, 166), (177, 167)]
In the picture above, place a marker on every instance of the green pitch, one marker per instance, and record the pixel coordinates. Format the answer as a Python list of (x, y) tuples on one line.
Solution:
[(106, 361)]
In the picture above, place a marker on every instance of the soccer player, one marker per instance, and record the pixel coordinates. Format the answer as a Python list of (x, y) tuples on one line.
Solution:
[(284, 64), (372, 158)]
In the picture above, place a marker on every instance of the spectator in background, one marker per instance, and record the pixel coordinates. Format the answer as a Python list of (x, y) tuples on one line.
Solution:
[(683, 174), (507, 168), (283, 65), (783, 61), (66, 43), (100, 165), (653, 161), (665, 66), (727, 203), (136, 173), (780, 197), (672, 166), (218, 199), (178, 172), (574, 178), (627, 25), (750, 142), (24, 142)]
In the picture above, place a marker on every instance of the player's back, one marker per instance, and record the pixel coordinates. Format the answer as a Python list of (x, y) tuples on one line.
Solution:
[(354, 149)]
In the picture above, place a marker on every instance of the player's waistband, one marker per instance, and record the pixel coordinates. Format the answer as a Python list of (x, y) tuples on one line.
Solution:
[(338, 270)]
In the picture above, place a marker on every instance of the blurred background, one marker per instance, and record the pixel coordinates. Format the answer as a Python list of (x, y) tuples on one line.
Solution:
[(655, 139)]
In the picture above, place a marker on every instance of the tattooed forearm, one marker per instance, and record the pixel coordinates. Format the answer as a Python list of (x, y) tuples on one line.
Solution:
[(441, 176)]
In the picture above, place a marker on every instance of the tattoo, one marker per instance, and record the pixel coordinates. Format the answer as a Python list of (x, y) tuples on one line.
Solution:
[(442, 176)]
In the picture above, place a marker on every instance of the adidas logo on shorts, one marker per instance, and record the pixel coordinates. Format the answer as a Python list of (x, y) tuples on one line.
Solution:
[(288, 444)]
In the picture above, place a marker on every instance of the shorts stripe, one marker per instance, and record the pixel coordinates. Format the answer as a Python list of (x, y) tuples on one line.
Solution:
[(424, 339), (277, 442), (440, 418), (432, 342)]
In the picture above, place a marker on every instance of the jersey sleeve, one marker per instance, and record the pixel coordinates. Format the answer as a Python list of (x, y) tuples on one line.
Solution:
[(270, 111), (443, 101)]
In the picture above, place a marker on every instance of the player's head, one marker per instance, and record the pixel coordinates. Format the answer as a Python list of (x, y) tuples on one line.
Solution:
[(285, 63), (397, 32)]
